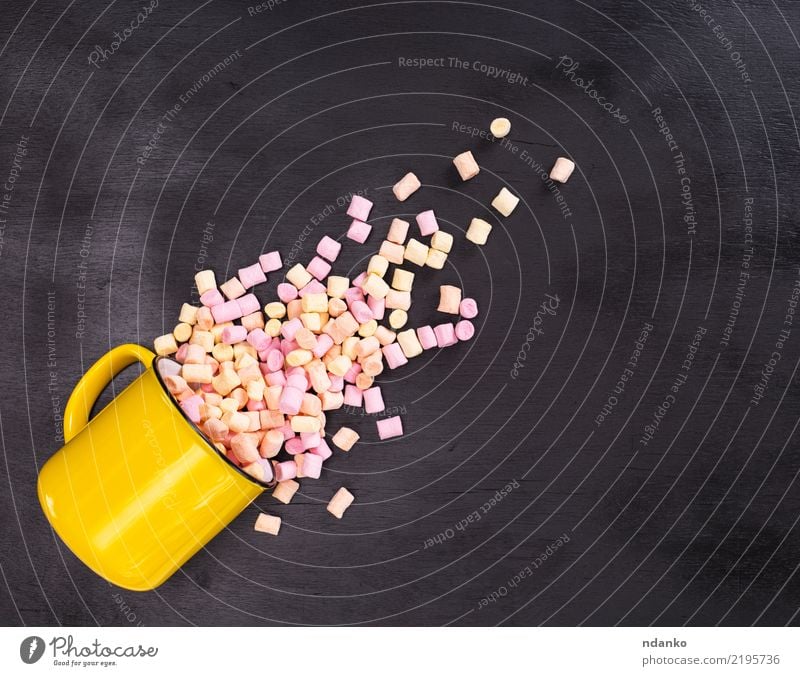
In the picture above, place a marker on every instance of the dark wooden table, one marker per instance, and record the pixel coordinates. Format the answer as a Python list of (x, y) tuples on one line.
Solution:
[(598, 482)]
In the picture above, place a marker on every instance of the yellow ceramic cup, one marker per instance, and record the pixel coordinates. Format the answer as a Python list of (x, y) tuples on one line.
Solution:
[(136, 491)]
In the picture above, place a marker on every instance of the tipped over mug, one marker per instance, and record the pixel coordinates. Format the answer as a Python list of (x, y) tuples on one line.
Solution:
[(137, 490)]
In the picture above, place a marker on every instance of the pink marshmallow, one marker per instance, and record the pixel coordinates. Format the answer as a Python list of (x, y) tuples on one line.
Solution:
[(252, 275), (324, 343), (390, 427), (394, 356), (359, 208), (319, 267), (288, 329), (359, 231), (358, 281), (294, 446), (352, 373), (353, 396), (191, 407), (337, 383), (426, 337), (353, 294), (465, 329), (373, 400), (259, 340), (377, 306), (253, 405), (287, 432), (288, 345), (276, 378), (248, 304), (274, 360), (233, 334), (297, 379), (290, 401), (227, 311), (287, 292), (312, 465), (323, 450), (270, 262), (329, 248), (180, 355), (445, 335), (285, 470), (211, 298), (361, 311), (468, 308), (310, 439), (312, 287), (427, 223)]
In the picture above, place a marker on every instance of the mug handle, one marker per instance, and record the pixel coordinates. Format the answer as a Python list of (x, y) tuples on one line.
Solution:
[(94, 381)]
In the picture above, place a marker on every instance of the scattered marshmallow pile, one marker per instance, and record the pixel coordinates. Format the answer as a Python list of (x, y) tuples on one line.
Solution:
[(259, 381)]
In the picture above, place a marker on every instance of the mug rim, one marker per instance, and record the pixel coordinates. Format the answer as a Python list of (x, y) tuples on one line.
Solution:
[(214, 449)]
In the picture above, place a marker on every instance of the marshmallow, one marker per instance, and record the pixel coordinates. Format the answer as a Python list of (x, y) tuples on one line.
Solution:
[(359, 231), (315, 302), (392, 252), (398, 300), (464, 329), (505, 202), (436, 259), (298, 276), (402, 280), (377, 307), (445, 335), (337, 286), (188, 314), (275, 310), (205, 281), (390, 427), (373, 400), (234, 334), (406, 187), (270, 262), (500, 127), (232, 288), (252, 275), (378, 265), (319, 267), (384, 335), (322, 450), (426, 337), (427, 223), (352, 396), (248, 304), (287, 292), (416, 252), (375, 286), (329, 248), (345, 438), (466, 165), (165, 345), (449, 299), (364, 381), (312, 465), (197, 373), (394, 356), (305, 423), (442, 241), (398, 230), (359, 208), (562, 170), (478, 231), (226, 312), (468, 308), (266, 523), (408, 342), (340, 502), (398, 319), (211, 298), (285, 470), (285, 490)]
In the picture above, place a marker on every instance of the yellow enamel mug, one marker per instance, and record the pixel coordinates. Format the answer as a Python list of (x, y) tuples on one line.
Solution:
[(138, 490)]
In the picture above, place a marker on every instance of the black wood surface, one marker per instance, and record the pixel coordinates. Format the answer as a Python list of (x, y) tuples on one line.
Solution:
[(636, 518)]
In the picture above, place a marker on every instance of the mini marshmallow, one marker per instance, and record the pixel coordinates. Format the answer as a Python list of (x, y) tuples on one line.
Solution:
[(505, 202), (287, 292), (466, 165), (562, 170), (285, 490), (378, 265), (402, 280), (464, 329), (232, 289), (449, 299), (426, 337), (252, 275), (247, 304), (436, 259), (285, 470), (197, 373), (298, 276), (359, 208), (352, 396), (205, 281), (305, 423), (188, 314), (368, 327), (384, 335), (375, 286), (468, 308), (322, 450), (500, 127), (266, 523), (390, 427), (329, 248), (392, 252), (340, 502), (361, 312), (394, 356), (315, 302), (337, 286), (312, 465), (398, 230), (416, 252), (406, 187), (345, 438), (442, 241), (165, 345), (270, 261), (398, 300), (211, 298), (234, 334), (319, 267), (359, 231), (408, 342), (364, 382), (427, 223), (373, 400), (398, 319), (445, 335), (478, 231), (275, 310), (377, 306)]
